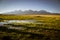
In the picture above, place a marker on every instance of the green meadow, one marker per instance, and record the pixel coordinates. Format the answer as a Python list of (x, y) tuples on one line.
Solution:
[(44, 27)]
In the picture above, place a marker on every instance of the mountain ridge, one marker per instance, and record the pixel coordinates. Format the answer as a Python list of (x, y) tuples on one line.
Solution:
[(30, 12)]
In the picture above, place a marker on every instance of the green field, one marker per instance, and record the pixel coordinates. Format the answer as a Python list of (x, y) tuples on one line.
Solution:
[(48, 30)]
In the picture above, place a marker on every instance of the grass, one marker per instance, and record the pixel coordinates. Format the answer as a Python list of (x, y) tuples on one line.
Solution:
[(48, 20), (49, 30)]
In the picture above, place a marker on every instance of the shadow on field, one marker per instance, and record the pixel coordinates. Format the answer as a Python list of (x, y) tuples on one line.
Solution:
[(6, 38)]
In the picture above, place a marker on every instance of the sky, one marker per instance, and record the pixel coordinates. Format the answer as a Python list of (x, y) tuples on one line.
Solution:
[(12, 5)]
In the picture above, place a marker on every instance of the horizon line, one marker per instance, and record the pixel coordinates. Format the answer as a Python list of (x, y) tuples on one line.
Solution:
[(27, 10)]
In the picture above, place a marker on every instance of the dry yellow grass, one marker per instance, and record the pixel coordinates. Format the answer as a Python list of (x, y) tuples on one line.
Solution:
[(43, 15)]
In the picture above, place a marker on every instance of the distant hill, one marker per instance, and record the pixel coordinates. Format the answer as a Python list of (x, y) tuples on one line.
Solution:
[(30, 12)]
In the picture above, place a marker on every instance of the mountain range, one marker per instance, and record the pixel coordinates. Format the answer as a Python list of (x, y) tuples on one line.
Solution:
[(30, 12)]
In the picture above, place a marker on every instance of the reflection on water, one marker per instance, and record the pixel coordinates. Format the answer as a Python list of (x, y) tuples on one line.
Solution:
[(19, 21), (2, 23), (19, 28)]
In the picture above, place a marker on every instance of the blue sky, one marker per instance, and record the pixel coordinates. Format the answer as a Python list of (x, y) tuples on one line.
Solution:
[(48, 5)]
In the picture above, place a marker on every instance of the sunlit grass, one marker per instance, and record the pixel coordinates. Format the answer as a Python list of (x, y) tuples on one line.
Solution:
[(46, 25)]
